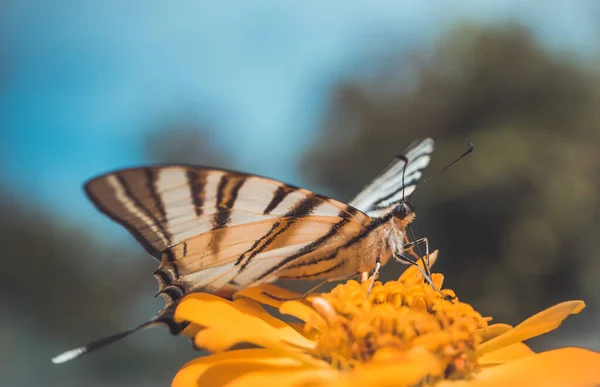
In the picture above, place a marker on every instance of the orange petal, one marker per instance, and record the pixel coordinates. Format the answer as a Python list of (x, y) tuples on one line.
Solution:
[(256, 293), (286, 377), (493, 330), (565, 367), (437, 279), (215, 340), (191, 330), (188, 309), (239, 321), (408, 370), (535, 325), (303, 312), (286, 332), (218, 369), (506, 354)]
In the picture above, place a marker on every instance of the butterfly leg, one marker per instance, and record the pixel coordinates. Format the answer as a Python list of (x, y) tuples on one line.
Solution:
[(364, 277), (375, 272), (407, 241), (409, 247), (409, 260)]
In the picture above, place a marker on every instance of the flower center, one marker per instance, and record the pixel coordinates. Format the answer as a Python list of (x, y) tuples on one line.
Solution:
[(398, 318)]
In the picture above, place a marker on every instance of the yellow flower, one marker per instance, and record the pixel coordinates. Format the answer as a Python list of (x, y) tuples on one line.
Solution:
[(404, 333)]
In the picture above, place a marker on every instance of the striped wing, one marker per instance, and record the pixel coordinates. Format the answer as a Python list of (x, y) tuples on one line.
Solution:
[(220, 230), (389, 187)]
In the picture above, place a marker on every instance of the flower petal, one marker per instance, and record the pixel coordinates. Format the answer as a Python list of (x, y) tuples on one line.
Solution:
[(535, 325), (286, 377), (565, 367), (303, 312), (286, 332), (257, 293), (408, 369), (191, 330), (493, 330), (190, 309), (216, 340), (506, 354), (437, 279), (239, 321), (208, 371)]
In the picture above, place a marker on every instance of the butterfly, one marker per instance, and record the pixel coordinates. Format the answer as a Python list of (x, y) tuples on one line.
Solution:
[(219, 231)]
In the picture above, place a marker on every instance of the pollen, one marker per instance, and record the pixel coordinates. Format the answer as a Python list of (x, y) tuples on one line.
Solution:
[(397, 320)]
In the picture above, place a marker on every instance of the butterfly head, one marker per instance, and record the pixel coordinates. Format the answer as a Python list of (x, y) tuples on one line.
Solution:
[(403, 214)]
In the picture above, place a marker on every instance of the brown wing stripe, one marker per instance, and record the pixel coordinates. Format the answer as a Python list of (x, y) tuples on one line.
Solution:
[(363, 234), (346, 217), (302, 209), (227, 193), (196, 182), (169, 254), (256, 243), (128, 226), (136, 201), (151, 180), (280, 193)]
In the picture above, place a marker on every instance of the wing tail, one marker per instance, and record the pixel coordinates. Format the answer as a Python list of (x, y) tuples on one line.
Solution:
[(94, 345), (164, 317)]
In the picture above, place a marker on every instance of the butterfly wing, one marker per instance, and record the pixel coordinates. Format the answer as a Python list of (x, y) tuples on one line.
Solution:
[(210, 227), (396, 182)]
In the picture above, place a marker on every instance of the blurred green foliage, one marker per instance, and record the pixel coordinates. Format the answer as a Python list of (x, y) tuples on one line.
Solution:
[(516, 221)]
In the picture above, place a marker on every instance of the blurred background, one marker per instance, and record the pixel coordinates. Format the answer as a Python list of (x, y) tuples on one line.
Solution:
[(318, 94)]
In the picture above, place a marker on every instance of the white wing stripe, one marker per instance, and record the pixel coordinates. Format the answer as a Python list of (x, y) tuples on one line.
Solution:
[(182, 213), (210, 191), (388, 187)]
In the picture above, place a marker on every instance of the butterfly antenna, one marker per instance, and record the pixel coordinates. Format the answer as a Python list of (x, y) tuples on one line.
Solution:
[(97, 344), (469, 150)]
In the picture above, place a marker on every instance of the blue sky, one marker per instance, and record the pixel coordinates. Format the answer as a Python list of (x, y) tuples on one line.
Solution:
[(85, 80)]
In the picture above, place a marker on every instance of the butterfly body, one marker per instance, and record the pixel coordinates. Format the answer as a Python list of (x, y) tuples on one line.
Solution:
[(350, 256), (219, 231)]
